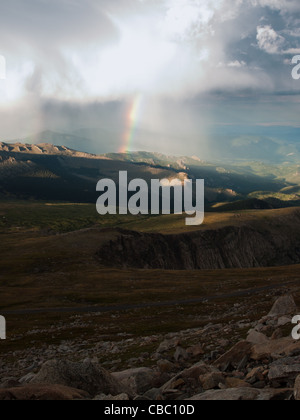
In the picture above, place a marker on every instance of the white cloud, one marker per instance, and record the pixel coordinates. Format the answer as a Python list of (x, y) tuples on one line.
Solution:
[(269, 40), (237, 64), (189, 19), (158, 47)]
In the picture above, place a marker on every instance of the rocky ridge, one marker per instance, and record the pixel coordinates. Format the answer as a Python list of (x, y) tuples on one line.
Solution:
[(274, 243), (263, 366)]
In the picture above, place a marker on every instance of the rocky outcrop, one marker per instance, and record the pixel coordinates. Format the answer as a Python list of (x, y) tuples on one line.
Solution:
[(260, 367), (138, 380), (234, 356), (285, 305), (229, 247), (85, 376)]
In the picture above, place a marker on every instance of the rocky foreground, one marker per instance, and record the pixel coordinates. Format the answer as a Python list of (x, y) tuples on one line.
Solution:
[(265, 366)]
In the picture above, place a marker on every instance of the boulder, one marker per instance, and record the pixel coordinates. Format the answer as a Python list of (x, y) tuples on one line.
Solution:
[(195, 351), (36, 392), (180, 354), (87, 376), (168, 345), (188, 376), (165, 366), (236, 383), (285, 305), (285, 371), (256, 375), (277, 334), (275, 349), (138, 380), (234, 356), (211, 380), (284, 320), (255, 337)]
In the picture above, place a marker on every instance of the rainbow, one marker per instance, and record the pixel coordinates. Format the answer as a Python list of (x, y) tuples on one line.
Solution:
[(131, 123)]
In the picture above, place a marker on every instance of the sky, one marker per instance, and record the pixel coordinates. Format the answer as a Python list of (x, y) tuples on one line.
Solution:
[(172, 76)]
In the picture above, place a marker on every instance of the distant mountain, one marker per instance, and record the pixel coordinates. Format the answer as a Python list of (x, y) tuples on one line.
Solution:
[(41, 149), (265, 149), (50, 137), (48, 172), (227, 145), (272, 144)]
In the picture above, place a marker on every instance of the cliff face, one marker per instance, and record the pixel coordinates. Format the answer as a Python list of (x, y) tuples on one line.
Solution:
[(229, 247)]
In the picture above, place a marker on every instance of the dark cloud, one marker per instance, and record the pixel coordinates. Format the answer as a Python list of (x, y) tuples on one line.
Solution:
[(77, 64), (54, 23)]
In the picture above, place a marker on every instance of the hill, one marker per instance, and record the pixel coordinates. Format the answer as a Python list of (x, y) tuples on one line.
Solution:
[(272, 240), (44, 171), (76, 142)]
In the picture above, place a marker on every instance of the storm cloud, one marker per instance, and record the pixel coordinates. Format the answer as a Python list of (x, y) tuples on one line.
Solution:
[(69, 62)]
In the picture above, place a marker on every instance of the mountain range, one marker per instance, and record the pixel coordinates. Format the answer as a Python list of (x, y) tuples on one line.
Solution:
[(268, 144), (48, 172)]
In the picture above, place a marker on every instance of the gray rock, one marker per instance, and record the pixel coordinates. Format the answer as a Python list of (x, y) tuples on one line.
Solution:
[(255, 337), (27, 378), (284, 320), (138, 380), (190, 375), (211, 380), (180, 354), (88, 377), (285, 305), (275, 349), (275, 394), (168, 345), (195, 351), (234, 356), (285, 371), (165, 366)]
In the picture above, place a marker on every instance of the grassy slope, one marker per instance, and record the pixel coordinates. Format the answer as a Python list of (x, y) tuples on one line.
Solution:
[(42, 270), (38, 270), (21, 216)]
